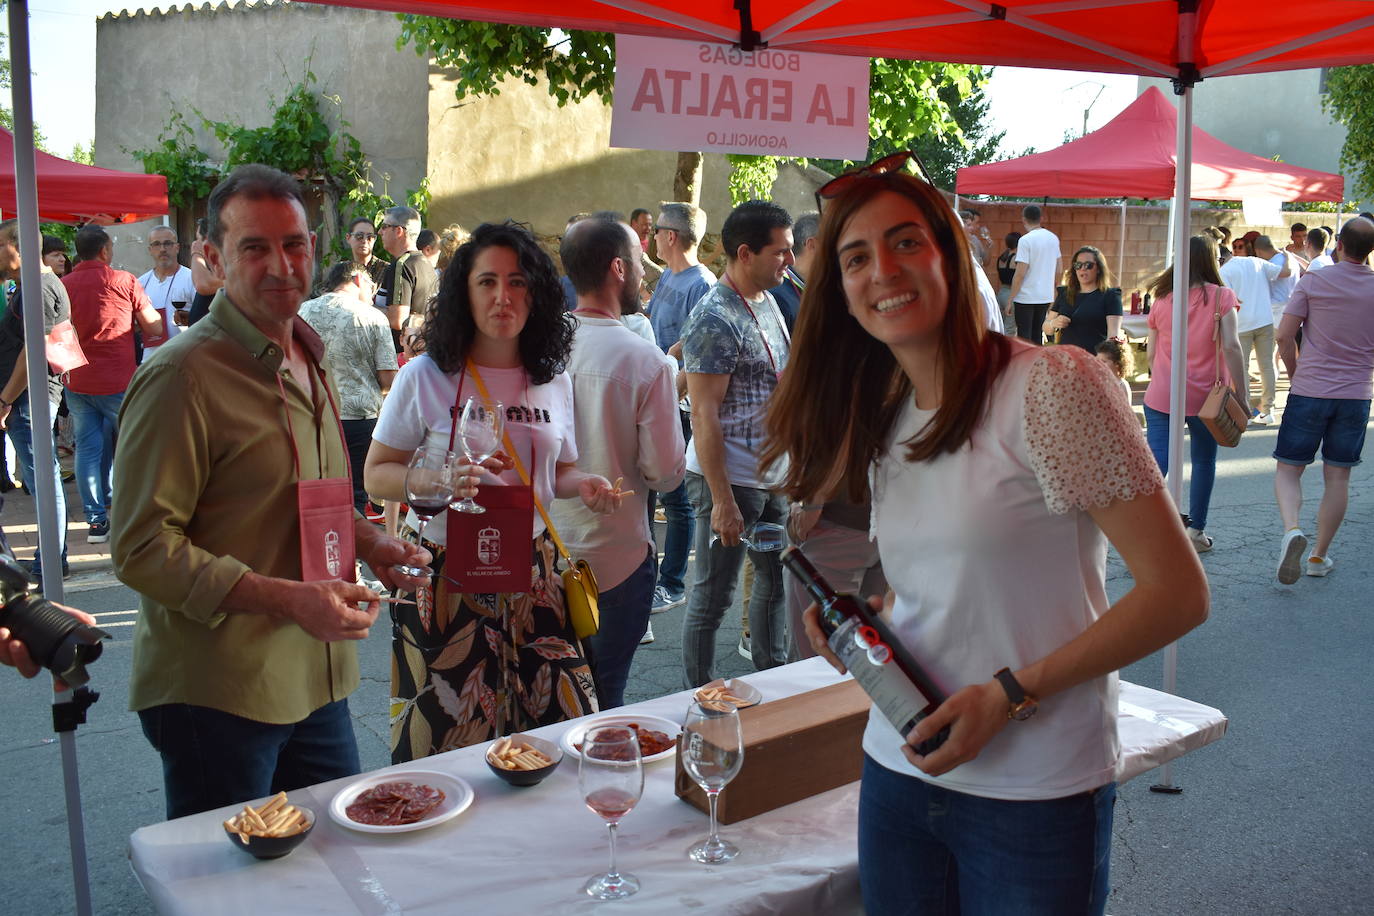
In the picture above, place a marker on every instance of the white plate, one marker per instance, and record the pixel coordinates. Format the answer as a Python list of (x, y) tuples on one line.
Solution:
[(573, 736), (748, 694), (458, 796)]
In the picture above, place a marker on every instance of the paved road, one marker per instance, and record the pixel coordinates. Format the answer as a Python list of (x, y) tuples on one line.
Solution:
[(1274, 819)]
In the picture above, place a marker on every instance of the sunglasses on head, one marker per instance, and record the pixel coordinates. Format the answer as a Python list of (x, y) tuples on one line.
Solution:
[(884, 166)]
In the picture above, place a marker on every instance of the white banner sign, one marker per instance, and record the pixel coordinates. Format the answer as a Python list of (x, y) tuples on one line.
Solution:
[(698, 96)]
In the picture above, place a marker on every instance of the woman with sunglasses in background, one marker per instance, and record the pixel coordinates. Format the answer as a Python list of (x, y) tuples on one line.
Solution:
[(996, 468), (1087, 309)]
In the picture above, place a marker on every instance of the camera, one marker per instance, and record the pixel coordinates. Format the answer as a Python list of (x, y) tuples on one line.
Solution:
[(56, 640)]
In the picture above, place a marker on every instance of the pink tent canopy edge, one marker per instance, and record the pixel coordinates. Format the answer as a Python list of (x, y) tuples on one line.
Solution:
[(1133, 155), (69, 192)]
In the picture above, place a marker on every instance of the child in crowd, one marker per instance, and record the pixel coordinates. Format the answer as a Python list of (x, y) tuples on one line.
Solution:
[(1115, 356)]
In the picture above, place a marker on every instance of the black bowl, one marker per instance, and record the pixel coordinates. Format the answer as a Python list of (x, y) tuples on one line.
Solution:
[(273, 847), (528, 777)]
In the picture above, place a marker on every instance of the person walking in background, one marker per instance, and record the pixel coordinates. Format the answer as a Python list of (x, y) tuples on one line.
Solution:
[(1282, 283), (1087, 310), (628, 429), (1037, 269), (106, 305), (358, 355), (686, 280), (1006, 275), (1328, 405), (1207, 299), (1248, 277)]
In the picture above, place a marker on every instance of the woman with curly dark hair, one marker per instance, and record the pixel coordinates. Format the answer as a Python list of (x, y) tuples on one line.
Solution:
[(469, 666)]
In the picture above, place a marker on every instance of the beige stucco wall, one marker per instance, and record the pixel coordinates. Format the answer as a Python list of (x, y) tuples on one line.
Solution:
[(236, 64)]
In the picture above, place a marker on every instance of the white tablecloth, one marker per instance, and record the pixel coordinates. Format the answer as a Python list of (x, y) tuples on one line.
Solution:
[(530, 850)]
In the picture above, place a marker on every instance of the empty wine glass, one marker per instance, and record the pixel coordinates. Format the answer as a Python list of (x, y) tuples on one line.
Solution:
[(611, 778), (712, 751), (762, 537), (480, 431), (429, 487)]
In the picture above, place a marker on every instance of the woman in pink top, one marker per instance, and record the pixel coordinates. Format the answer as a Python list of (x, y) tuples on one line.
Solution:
[(1206, 296)]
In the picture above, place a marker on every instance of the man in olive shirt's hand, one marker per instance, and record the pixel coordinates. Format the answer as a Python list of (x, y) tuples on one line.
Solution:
[(242, 671)]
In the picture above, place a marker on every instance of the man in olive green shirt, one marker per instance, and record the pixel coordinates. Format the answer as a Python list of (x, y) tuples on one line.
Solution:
[(241, 671)]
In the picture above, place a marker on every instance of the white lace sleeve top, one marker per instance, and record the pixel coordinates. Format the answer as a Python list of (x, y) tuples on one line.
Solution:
[(996, 563)]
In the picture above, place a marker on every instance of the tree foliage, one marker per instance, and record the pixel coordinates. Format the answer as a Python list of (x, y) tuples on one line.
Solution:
[(909, 101), (1348, 94), (299, 140)]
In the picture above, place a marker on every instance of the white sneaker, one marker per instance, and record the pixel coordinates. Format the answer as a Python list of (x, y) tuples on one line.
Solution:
[(744, 648), (1262, 419), (1201, 542), (1317, 566), (648, 636), (1290, 555)]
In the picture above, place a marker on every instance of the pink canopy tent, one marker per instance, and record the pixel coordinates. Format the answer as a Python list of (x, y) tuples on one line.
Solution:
[(1135, 155), (69, 192)]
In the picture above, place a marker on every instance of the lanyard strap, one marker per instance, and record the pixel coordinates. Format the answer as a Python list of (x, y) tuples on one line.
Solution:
[(762, 336), (515, 456), (318, 376)]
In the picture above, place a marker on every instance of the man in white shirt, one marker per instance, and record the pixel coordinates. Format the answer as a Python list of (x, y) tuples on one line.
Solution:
[(168, 285), (1249, 277), (1315, 249), (628, 430), (1037, 273)]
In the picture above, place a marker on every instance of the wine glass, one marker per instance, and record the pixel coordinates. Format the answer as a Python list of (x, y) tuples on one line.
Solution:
[(712, 751), (760, 537), (611, 777), (480, 431), (429, 487)]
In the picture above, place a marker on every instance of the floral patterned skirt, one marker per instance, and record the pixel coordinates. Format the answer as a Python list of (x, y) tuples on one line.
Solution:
[(471, 668)]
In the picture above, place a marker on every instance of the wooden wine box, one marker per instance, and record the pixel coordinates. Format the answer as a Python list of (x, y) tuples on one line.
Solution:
[(794, 748)]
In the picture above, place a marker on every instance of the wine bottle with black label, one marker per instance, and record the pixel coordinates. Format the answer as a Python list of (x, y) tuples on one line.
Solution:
[(863, 641)]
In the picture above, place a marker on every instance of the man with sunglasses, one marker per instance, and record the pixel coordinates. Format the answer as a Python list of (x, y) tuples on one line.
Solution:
[(413, 281), (362, 239)]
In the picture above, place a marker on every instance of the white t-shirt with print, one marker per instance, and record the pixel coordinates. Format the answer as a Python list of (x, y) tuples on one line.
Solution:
[(420, 408), (1039, 251), (996, 562)]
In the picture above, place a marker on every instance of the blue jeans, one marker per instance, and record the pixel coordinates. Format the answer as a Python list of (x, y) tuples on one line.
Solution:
[(677, 539), (624, 617), (1337, 425), (928, 851), (96, 420), (1204, 460), (211, 758), (358, 439), (21, 434), (717, 573)]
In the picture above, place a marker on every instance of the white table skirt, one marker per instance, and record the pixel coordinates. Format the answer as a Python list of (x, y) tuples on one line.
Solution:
[(530, 850)]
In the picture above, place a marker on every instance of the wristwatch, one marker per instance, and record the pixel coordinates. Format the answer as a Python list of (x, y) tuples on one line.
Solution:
[(1023, 705)]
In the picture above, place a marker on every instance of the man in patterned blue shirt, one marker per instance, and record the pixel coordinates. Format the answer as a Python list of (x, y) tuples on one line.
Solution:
[(734, 348)]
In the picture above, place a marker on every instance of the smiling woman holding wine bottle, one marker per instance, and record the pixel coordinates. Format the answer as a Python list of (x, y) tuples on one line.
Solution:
[(487, 649), (996, 470)]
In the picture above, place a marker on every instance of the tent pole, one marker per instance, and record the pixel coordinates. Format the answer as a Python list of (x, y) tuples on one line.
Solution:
[(40, 411), (1121, 246), (1178, 379)]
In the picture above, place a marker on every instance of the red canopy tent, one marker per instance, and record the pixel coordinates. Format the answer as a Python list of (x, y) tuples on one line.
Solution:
[(1134, 155), (69, 192)]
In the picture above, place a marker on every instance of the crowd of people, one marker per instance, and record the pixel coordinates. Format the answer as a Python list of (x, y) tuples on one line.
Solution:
[(899, 437)]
